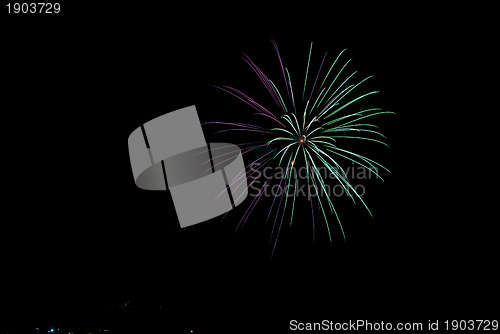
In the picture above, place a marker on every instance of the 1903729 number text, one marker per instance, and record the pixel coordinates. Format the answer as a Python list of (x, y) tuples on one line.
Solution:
[(34, 8), (476, 325)]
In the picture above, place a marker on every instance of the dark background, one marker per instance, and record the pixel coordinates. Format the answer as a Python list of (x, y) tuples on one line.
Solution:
[(82, 247)]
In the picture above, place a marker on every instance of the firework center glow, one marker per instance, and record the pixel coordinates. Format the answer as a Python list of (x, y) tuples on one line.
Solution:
[(302, 139)]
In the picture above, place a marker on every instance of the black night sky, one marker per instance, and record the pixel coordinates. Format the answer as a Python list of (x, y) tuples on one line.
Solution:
[(83, 249)]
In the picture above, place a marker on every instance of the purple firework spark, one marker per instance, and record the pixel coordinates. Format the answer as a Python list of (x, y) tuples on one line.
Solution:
[(305, 133)]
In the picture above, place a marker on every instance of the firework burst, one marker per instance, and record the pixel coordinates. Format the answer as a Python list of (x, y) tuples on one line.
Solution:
[(305, 132)]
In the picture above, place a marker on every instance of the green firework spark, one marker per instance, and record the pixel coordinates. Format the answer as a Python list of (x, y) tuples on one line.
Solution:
[(306, 133)]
